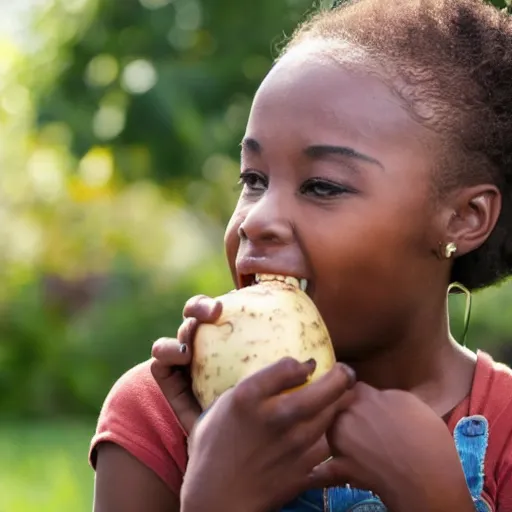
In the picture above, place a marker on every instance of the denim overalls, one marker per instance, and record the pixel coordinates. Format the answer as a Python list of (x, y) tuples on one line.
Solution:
[(471, 438)]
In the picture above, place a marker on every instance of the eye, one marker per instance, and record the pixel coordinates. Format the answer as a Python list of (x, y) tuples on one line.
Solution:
[(253, 182), (322, 188)]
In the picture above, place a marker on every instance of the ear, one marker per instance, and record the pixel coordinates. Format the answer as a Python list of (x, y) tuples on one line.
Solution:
[(474, 216)]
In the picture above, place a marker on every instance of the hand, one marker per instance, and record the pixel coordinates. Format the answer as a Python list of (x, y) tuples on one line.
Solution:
[(393, 444), (172, 357), (256, 447)]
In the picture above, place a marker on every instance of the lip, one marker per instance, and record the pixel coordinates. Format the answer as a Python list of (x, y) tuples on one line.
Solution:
[(252, 265)]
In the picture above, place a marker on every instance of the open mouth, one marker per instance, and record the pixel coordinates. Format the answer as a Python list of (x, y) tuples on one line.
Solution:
[(251, 279)]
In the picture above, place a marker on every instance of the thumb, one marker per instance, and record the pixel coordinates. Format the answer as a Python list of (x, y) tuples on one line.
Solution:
[(176, 389), (335, 472)]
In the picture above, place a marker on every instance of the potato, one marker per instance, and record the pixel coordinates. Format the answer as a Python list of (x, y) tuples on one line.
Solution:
[(259, 325)]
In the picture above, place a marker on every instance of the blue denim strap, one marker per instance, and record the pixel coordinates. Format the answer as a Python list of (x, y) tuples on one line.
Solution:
[(339, 499), (348, 499), (471, 435)]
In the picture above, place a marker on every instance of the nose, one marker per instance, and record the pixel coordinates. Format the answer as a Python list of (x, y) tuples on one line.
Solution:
[(268, 221)]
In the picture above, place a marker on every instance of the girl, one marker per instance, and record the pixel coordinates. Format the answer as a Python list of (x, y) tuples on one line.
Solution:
[(377, 164)]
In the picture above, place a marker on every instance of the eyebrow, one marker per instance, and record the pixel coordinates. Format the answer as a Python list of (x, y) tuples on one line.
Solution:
[(316, 151), (320, 151), (251, 145)]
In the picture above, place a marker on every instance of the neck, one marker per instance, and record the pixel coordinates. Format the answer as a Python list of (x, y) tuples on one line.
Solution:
[(426, 361)]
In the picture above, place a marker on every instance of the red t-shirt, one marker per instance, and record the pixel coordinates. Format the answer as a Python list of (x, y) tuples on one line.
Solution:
[(137, 417)]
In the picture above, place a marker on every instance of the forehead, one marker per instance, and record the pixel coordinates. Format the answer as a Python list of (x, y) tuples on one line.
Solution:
[(311, 95)]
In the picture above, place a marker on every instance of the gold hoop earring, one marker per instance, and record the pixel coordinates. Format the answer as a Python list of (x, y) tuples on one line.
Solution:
[(450, 249), (467, 309)]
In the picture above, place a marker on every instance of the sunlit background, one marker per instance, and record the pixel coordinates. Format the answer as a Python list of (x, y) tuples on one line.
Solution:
[(119, 131)]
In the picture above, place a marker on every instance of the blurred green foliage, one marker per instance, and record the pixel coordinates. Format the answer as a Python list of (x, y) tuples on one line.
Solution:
[(120, 124), (44, 467)]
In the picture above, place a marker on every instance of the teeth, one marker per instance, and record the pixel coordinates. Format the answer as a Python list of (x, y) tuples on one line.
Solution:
[(292, 281)]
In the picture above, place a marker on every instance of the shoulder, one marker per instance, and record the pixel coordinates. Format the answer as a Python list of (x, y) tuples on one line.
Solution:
[(136, 416), (137, 389), (491, 393)]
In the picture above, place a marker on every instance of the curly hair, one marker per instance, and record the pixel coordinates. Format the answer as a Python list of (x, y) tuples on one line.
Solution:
[(451, 62)]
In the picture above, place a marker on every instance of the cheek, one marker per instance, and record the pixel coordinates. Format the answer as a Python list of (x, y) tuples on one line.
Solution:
[(370, 236), (231, 238), (372, 253)]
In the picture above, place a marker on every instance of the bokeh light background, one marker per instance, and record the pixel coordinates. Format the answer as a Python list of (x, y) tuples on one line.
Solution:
[(119, 131)]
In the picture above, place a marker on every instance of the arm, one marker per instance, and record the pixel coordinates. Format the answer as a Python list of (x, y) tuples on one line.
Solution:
[(123, 484), (139, 449)]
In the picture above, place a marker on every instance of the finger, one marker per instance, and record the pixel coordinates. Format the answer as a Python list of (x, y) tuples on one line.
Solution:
[(323, 421), (176, 389), (159, 370), (318, 453), (274, 379), (330, 389), (204, 308), (312, 457), (336, 472), (313, 432), (187, 332), (169, 352)]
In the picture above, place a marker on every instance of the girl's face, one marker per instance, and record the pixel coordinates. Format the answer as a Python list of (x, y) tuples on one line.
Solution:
[(337, 190)]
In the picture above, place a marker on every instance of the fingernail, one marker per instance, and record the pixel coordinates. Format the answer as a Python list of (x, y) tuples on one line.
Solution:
[(312, 363), (352, 377), (183, 348)]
